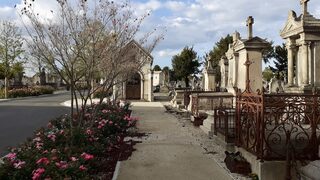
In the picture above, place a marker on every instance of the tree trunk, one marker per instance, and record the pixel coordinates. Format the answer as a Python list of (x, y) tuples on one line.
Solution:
[(6, 87), (186, 80)]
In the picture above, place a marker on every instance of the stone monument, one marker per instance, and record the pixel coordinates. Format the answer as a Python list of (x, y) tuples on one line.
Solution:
[(224, 72), (302, 35), (209, 76), (238, 53)]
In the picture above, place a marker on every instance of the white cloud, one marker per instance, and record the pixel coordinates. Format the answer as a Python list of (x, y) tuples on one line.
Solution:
[(167, 53), (201, 23)]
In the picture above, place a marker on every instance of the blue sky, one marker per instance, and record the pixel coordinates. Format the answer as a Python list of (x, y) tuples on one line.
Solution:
[(201, 23)]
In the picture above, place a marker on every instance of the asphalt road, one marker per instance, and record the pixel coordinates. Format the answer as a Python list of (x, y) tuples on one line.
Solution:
[(21, 117)]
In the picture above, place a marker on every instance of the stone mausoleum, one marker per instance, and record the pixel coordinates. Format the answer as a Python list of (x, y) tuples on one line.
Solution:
[(302, 35)]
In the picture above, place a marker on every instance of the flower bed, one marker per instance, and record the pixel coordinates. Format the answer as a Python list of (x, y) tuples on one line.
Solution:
[(23, 92), (88, 150)]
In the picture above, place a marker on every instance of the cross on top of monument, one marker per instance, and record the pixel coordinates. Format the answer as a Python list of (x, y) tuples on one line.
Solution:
[(304, 5), (250, 22)]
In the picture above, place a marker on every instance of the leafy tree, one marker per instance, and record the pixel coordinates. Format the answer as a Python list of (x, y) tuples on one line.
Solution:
[(185, 64), (280, 60), (166, 71), (88, 40), (157, 68), (267, 74), (219, 50), (268, 52), (10, 49)]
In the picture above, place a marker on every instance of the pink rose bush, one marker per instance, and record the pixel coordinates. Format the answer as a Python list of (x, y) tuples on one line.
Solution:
[(85, 151)]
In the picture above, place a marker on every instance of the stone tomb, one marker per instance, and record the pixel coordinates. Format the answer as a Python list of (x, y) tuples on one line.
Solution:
[(209, 76), (302, 35), (238, 53)]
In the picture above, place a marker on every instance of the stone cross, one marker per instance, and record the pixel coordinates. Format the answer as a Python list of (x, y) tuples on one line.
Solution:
[(304, 4), (250, 22)]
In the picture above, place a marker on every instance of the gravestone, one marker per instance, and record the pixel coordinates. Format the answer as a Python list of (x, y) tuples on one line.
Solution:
[(276, 85)]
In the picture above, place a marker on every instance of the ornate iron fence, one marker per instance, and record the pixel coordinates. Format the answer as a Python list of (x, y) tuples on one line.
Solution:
[(266, 124), (206, 102), (224, 123)]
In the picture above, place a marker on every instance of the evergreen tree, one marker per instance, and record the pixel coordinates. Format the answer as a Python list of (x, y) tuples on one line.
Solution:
[(185, 64), (219, 50), (280, 61), (157, 68)]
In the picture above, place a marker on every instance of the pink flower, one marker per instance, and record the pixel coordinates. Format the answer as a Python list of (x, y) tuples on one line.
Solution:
[(11, 156), (54, 151), (37, 173), (74, 159), (54, 158), (86, 156), (39, 145), (37, 139), (49, 125), (19, 164), (52, 137), (61, 132), (43, 160), (62, 165), (82, 168), (105, 111), (89, 132), (110, 122)]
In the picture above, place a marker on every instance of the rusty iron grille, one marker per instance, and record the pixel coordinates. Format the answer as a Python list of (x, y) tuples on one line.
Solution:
[(267, 124), (203, 102), (224, 123)]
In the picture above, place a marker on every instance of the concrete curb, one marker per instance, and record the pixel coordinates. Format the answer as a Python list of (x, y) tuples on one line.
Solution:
[(116, 171)]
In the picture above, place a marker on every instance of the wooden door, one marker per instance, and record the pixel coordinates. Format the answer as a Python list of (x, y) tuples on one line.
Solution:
[(133, 87)]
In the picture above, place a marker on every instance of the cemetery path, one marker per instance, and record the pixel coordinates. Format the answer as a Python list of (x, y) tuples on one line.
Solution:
[(19, 118), (169, 152)]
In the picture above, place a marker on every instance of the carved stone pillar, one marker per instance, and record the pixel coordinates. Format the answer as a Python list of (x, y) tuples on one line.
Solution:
[(290, 65), (305, 63)]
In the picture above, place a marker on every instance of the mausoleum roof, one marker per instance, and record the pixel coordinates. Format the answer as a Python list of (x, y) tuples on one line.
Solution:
[(305, 23), (253, 43)]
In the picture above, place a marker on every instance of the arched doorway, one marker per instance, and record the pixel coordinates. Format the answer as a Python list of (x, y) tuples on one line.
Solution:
[(133, 87)]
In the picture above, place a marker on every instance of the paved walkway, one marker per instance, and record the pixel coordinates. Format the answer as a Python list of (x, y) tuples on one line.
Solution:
[(169, 152)]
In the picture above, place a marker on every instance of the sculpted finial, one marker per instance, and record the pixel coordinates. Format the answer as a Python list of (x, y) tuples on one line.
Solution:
[(304, 6)]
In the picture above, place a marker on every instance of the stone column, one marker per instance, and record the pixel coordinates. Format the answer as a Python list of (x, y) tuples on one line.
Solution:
[(305, 66), (310, 62), (290, 65)]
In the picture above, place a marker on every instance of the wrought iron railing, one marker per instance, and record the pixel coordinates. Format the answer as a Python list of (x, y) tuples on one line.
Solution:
[(205, 102), (267, 123), (224, 123)]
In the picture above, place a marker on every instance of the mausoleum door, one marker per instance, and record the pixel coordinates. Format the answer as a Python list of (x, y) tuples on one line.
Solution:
[(133, 87)]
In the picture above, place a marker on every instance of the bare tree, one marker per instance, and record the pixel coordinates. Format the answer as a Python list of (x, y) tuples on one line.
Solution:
[(10, 49), (86, 41)]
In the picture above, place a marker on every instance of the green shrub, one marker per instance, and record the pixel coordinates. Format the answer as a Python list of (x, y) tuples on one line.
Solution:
[(60, 151), (24, 92)]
